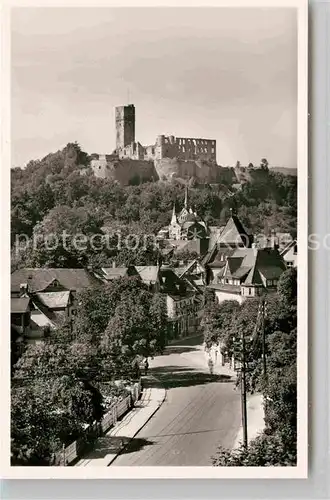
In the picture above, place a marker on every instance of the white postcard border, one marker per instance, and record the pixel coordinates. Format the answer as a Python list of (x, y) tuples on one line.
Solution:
[(300, 471)]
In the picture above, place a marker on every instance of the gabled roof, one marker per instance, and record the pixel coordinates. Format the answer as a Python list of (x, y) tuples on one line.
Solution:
[(234, 233), (189, 267), (251, 265), (218, 256), (179, 270), (253, 277), (43, 315), (233, 264), (54, 300), (40, 320), (169, 279), (38, 279), (112, 273), (19, 305), (285, 250), (149, 274)]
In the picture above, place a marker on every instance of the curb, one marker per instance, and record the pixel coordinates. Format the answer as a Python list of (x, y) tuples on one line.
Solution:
[(143, 425)]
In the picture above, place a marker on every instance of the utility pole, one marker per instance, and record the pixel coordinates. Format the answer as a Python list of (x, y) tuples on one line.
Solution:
[(264, 362), (243, 393)]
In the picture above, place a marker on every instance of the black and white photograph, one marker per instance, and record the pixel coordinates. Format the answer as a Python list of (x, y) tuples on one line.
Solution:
[(158, 281)]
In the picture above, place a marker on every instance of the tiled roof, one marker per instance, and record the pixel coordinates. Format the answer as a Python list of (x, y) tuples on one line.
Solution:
[(233, 265), (253, 277), (241, 272), (149, 274), (111, 273), (217, 256), (187, 246), (271, 272), (185, 269), (288, 247), (39, 279), (234, 233), (256, 262), (54, 300), (179, 270), (225, 288), (39, 319), (19, 305)]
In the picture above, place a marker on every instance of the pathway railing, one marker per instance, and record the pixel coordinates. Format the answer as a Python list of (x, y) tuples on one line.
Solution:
[(69, 454)]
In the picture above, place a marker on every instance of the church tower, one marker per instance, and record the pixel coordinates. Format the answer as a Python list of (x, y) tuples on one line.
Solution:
[(125, 126)]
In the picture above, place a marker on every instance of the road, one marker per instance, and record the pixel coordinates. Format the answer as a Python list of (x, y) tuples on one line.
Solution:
[(200, 413)]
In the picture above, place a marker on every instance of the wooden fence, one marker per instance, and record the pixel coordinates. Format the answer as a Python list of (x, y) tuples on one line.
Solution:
[(69, 454)]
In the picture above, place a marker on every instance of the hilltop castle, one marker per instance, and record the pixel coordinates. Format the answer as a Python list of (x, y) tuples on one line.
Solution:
[(181, 148), (169, 156)]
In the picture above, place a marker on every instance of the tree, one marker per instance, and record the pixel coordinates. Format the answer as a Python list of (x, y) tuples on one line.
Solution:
[(42, 420), (137, 328), (95, 307), (217, 322), (58, 415), (64, 238), (287, 287), (264, 164), (278, 444), (264, 451)]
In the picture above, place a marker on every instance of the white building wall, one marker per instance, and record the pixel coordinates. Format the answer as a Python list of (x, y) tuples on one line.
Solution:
[(222, 296)]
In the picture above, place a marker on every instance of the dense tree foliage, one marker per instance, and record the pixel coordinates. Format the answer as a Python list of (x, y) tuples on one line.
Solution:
[(226, 324), (60, 193), (116, 324)]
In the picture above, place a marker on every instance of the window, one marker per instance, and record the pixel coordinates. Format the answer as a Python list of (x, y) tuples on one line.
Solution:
[(250, 291)]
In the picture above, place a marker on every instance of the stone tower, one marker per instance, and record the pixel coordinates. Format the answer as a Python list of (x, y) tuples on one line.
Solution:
[(125, 126)]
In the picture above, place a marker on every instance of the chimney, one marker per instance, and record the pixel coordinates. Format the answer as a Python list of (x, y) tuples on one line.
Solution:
[(273, 240), (23, 289)]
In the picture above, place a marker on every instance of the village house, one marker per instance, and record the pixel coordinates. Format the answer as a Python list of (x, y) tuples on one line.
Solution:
[(247, 273), (290, 254), (109, 274), (232, 237), (183, 301), (44, 299), (236, 269)]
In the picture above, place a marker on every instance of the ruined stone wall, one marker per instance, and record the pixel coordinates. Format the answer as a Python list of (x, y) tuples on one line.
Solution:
[(185, 148), (125, 171), (203, 171)]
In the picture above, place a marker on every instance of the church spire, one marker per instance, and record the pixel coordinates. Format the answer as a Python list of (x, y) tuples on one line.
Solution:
[(174, 219), (186, 198)]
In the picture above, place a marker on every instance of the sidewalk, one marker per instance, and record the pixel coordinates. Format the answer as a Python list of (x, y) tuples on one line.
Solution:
[(107, 447), (255, 419)]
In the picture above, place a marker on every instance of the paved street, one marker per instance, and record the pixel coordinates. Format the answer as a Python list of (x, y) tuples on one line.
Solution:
[(200, 413)]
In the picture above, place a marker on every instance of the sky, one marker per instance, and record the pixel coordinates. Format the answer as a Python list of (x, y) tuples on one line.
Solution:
[(228, 74)]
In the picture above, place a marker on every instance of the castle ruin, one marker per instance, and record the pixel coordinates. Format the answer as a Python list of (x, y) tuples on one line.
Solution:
[(169, 156)]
